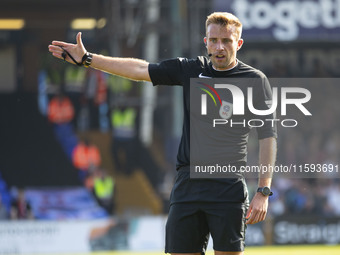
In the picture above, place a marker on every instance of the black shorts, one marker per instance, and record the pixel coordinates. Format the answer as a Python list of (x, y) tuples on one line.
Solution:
[(189, 225)]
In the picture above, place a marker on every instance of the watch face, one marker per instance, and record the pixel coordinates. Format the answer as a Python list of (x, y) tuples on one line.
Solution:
[(266, 191)]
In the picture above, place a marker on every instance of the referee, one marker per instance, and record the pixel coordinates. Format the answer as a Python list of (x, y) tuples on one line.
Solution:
[(200, 207)]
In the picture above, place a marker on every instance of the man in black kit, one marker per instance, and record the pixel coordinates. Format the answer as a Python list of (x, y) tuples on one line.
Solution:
[(200, 207)]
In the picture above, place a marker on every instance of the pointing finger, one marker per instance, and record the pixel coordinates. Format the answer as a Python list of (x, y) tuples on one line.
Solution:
[(59, 43), (53, 48)]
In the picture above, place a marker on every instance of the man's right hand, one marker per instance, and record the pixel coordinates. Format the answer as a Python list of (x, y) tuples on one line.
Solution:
[(77, 51), (130, 68)]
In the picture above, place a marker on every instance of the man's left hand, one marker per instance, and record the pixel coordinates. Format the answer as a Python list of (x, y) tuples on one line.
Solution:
[(257, 209)]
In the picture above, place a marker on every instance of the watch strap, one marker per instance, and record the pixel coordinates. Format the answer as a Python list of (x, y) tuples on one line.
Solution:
[(87, 59), (260, 189)]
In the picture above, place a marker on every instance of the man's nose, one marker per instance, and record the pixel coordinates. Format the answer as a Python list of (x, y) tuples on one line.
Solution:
[(219, 45)]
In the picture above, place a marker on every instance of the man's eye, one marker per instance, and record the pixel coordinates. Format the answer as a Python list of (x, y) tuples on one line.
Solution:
[(214, 40)]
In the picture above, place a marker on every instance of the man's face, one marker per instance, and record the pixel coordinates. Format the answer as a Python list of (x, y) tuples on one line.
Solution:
[(222, 43)]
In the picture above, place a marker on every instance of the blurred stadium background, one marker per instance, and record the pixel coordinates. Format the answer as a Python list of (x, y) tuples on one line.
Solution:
[(55, 156)]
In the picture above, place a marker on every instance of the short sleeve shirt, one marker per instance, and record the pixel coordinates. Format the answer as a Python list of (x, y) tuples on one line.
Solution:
[(179, 71)]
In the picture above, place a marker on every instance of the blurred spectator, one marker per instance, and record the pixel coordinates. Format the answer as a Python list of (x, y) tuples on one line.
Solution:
[(75, 78), (333, 198), (3, 210), (86, 157), (60, 109), (101, 101), (96, 99), (21, 208), (94, 107), (277, 206), (74, 82), (42, 92), (103, 189), (123, 122)]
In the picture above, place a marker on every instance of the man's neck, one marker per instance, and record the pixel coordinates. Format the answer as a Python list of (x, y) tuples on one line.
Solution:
[(227, 69)]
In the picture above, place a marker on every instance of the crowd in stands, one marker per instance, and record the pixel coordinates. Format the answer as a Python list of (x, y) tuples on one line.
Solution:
[(80, 104)]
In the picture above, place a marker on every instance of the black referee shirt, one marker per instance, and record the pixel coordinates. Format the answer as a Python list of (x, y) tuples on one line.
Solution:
[(179, 71)]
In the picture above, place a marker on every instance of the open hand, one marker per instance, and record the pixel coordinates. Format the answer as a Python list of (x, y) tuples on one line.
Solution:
[(76, 50)]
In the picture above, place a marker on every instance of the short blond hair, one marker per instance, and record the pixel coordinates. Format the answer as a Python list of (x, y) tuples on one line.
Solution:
[(224, 19)]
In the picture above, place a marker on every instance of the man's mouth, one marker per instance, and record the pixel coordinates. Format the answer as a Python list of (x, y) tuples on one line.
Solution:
[(220, 56)]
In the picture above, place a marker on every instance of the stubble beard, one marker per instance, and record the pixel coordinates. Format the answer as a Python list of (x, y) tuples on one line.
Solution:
[(223, 65)]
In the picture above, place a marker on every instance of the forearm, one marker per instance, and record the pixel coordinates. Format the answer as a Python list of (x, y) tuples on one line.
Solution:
[(259, 204), (267, 158), (131, 68)]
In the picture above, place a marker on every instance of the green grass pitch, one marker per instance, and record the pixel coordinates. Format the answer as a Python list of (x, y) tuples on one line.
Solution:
[(264, 250)]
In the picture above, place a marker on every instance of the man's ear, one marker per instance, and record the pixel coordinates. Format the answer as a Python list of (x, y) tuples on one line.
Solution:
[(239, 44), (205, 41)]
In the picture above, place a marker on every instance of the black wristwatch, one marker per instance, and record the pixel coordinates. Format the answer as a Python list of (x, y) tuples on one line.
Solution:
[(87, 58), (265, 191)]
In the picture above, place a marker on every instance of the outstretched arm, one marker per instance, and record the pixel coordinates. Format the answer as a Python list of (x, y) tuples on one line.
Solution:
[(131, 68), (259, 205)]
